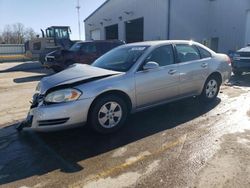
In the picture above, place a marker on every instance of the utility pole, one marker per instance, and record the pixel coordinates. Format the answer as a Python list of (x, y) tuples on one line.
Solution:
[(169, 20), (79, 22)]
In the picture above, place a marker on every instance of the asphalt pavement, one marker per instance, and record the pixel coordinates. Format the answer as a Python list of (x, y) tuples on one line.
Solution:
[(181, 144)]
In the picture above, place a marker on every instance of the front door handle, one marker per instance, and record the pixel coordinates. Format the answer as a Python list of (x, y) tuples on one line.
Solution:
[(172, 71), (204, 65)]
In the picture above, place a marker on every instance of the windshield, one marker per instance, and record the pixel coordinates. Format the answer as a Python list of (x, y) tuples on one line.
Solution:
[(57, 32), (62, 33), (120, 59)]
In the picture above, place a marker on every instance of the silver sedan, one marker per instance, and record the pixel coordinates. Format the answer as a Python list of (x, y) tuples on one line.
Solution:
[(126, 80)]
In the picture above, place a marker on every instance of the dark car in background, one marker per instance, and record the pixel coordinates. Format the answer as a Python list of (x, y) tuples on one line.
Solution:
[(85, 52), (241, 61)]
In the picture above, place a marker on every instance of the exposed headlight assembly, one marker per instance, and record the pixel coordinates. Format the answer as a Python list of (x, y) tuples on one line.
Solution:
[(64, 95), (38, 87)]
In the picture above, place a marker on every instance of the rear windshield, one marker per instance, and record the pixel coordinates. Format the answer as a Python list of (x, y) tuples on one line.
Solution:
[(104, 47), (120, 59)]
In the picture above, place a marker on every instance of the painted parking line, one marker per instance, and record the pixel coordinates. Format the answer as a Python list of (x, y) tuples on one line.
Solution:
[(12, 56), (128, 163)]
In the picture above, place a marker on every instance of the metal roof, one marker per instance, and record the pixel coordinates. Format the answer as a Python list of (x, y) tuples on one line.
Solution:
[(96, 10)]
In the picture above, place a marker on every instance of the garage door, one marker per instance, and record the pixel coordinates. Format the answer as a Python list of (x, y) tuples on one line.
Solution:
[(95, 34), (247, 37), (134, 30), (111, 32)]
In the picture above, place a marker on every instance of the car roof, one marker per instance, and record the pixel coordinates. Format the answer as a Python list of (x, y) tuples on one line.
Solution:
[(101, 41), (245, 49), (156, 43), (159, 42)]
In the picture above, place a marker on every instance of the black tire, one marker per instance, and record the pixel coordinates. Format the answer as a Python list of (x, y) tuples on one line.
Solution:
[(204, 96), (95, 113), (19, 127), (237, 73)]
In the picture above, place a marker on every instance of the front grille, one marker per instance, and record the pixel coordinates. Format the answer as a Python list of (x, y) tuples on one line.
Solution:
[(244, 54), (52, 122), (242, 60), (50, 58)]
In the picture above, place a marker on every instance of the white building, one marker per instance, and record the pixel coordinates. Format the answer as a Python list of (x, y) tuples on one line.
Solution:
[(223, 25)]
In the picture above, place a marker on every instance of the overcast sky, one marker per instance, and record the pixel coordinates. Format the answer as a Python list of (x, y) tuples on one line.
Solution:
[(44, 13)]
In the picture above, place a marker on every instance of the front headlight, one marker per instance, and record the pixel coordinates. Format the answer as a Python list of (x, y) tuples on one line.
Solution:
[(64, 95), (38, 87)]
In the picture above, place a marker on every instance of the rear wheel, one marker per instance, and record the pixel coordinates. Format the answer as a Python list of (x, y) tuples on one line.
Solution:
[(108, 114), (211, 89)]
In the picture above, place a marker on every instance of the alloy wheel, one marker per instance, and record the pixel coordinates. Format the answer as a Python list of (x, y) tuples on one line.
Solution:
[(211, 88), (110, 114)]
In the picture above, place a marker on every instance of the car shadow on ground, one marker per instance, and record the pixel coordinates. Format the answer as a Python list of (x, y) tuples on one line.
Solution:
[(242, 81), (29, 79), (30, 66), (28, 154)]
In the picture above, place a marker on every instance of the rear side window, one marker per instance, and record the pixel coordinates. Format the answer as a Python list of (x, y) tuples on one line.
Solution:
[(187, 53), (204, 53), (89, 48)]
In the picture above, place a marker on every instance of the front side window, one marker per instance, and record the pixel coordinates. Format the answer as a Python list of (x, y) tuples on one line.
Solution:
[(163, 56), (50, 32), (187, 53), (120, 59)]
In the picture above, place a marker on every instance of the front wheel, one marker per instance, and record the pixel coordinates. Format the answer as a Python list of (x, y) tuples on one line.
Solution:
[(211, 89), (108, 114)]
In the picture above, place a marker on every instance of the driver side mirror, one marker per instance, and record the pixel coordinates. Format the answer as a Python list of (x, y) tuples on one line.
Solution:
[(150, 65)]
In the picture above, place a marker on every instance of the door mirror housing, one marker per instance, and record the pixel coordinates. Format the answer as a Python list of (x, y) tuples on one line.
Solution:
[(150, 65)]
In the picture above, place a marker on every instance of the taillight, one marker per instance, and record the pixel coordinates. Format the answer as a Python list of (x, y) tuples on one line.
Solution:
[(229, 60)]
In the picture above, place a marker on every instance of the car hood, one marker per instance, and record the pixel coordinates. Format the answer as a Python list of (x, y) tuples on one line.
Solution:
[(246, 49), (74, 74)]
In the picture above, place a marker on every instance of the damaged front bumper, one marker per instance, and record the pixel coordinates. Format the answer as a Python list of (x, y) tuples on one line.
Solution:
[(56, 117)]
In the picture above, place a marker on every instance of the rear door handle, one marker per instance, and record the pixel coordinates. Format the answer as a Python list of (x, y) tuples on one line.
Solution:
[(172, 71), (204, 65)]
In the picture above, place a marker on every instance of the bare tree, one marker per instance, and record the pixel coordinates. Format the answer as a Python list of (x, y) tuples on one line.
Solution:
[(18, 33), (7, 34), (1, 39), (29, 34)]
